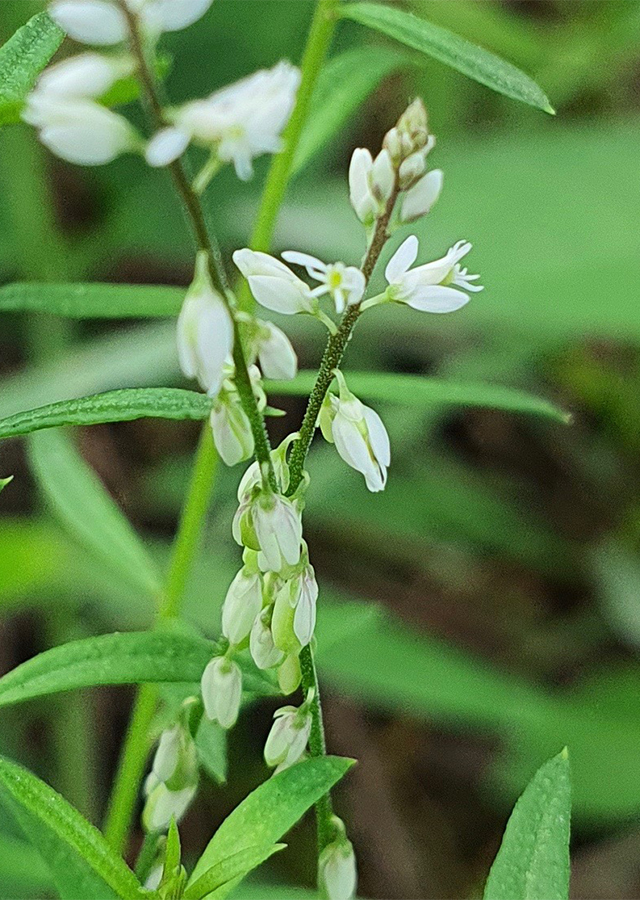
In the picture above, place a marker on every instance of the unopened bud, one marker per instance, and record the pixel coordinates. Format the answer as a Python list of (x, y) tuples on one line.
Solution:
[(412, 169), (413, 124), (337, 872), (241, 606), (222, 691), (289, 674), (383, 177), (263, 649), (422, 196), (288, 737)]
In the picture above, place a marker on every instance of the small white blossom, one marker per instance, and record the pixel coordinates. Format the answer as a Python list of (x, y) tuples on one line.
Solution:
[(420, 199), (242, 605), (276, 355), (337, 870), (221, 687), (205, 331), (288, 738), (359, 435), (263, 649), (163, 805), (273, 522), (87, 75), (432, 287), (167, 755), (371, 183), (103, 22), (172, 783), (344, 284), (238, 123), (273, 284), (232, 434)]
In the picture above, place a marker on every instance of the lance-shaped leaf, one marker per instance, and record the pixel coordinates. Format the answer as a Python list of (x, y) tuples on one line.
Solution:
[(128, 658), (343, 85), (533, 859), (229, 871), (92, 301), (88, 512), (82, 864), (22, 59), (269, 812), (430, 393), (112, 406), (451, 49)]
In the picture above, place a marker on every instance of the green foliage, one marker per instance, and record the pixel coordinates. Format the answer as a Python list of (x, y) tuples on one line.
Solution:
[(449, 48), (112, 406), (533, 860), (82, 864), (81, 502), (270, 811), (224, 875), (22, 59), (5, 481), (92, 301)]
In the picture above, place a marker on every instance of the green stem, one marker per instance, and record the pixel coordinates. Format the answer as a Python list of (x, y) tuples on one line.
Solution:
[(317, 743), (318, 42)]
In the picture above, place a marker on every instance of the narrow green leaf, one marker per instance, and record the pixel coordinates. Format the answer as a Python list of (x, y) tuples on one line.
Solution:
[(22, 59), (130, 658), (270, 811), (173, 851), (89, 513), (343, 85), (230, 870), (5, 481), (22, 869), (92, 301), (112, 406), (533, 859), (416, 390), (449, 48), (82, 863)]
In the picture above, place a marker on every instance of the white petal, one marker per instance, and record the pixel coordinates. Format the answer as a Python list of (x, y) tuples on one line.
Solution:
[(173, 15), (90, 136), (437, 299), (355, 283), (378, 436), (276, 354), (280, 294), (166, 146), (311, 263), (352, 446), (402, 259), (214, 343), (85, 75), (90, 21), (383, 176), (253, 262), (422, 196), (434, 272)]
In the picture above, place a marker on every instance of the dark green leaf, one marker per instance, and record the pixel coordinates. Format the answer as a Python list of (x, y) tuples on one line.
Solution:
[(92, 301), (416, 390), (113, 406), (229, 871), (447, 47), (82, 864), (533, 859), (22, 59), (86, 509)]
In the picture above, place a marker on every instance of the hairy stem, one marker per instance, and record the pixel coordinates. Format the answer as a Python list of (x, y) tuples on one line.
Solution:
[(317, 744), (318, 42)]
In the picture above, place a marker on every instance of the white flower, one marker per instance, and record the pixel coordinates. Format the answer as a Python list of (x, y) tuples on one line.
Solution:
[(79, 130), (359, 435), (337, 870), (263, 649), (276, 355), (430, 288), (87, 75), (273, 284), (221, 687), (167, 755), (232, 434), (103, 22), (239, 122), (278, 530), (163, 805), (345, 284), (371, 183), (173, 780), (242, 605), (288, 737), (205, 331), (420, 199)]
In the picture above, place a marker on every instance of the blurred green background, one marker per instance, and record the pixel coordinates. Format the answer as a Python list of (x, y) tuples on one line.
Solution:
[(485, 610)]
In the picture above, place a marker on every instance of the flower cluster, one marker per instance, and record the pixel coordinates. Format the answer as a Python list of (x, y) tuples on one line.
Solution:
[(68, 104)]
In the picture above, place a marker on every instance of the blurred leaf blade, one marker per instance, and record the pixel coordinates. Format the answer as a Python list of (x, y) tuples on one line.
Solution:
[(22, 59), (419, 391), (451, 49), (112, 406), (93, 301), (5, 481), (230, 870), (81, 862), (81, 502), (533, 859)]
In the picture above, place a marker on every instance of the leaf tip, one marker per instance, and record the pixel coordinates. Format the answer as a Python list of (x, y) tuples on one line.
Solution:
[(5, 481), (564, 754)]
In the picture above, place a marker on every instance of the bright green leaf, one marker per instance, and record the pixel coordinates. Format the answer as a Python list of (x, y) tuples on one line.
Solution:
[(113, 406), (22, 868), (82, 864), (416, 390), (22, 59), (229, 870), (533, 859), (449, 48), (92, 301), (271, 810), (5, 481), (343, 85), (89, 513)]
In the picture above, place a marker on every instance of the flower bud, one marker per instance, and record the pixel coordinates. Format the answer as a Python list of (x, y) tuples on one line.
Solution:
[(289, 674), (420, 199), (337, 874), (270, 523), (173, 780), (411, 169), (241, 606), (263, 649), (362, 199), (163, 805), (221, 687), (87, 75), (413, 125), (232, 434), (276, 355), (205, 331), (90, 21), (382, 178), (288, 737)]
